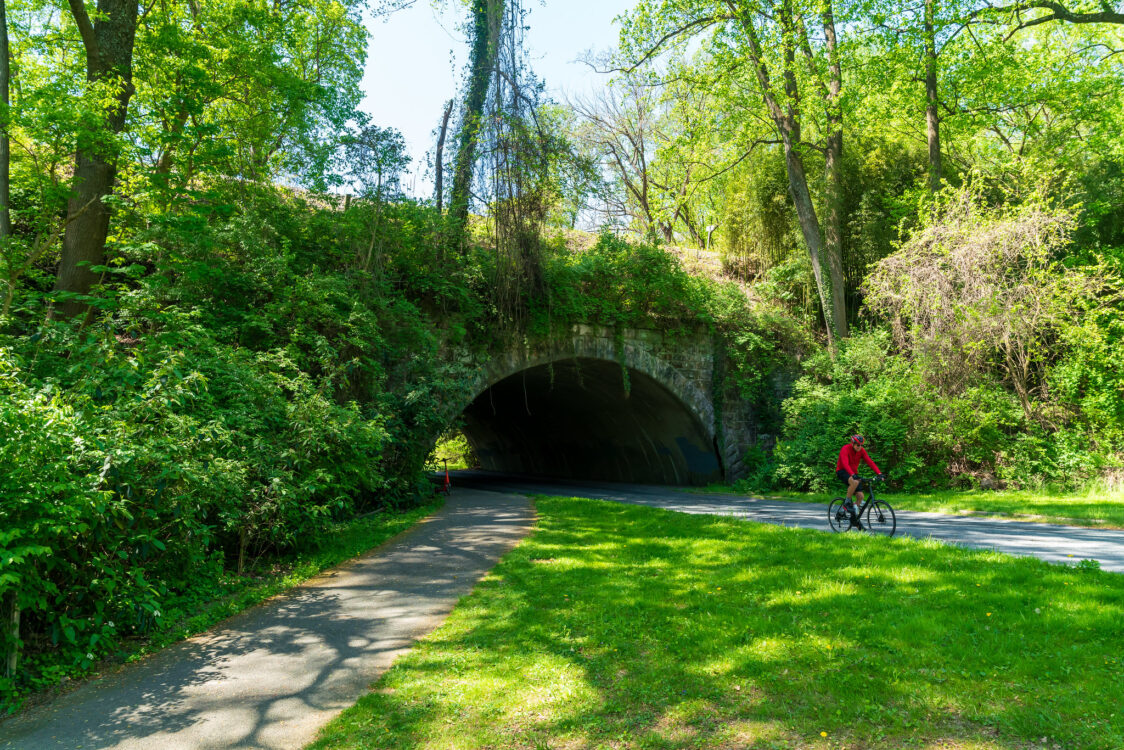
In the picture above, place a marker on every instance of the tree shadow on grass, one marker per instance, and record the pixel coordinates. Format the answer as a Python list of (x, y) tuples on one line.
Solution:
[(631, 627)]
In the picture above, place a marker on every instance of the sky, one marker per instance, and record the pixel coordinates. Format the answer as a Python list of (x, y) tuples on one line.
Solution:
[(416, 62)]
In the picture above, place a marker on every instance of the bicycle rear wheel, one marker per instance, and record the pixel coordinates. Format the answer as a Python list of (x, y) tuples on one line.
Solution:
[(837, 515), (880, 518)]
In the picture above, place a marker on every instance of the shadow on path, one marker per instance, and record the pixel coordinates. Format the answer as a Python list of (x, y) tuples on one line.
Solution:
[(272, 676)]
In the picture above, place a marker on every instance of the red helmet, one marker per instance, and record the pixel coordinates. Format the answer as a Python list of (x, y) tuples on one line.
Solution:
[(858, 440)]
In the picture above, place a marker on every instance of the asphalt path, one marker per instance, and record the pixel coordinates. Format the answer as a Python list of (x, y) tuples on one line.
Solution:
[(272, 676), (1054, 543)]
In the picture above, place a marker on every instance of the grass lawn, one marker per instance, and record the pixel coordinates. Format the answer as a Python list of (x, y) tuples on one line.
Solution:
[(618, 626), (1097, 507)]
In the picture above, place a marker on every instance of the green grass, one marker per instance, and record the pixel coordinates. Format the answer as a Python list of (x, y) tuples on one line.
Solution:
[(617, 626), (1094, 506)]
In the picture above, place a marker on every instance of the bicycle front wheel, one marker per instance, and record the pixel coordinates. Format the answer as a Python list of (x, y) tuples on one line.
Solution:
[(880, 518), (837, 515)]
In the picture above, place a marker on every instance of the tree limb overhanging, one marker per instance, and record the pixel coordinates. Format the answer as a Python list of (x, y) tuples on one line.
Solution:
[(1055, 12)]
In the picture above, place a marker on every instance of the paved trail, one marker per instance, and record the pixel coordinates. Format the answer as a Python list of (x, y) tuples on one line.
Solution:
[(271, 677), (1066, 544)]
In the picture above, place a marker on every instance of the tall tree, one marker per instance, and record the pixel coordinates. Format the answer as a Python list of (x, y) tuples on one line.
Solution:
[(783, 101), (108, 44), (771, 38), (831, 91), (5, 127), (932, 100), (376, 158), (921, 34), (439, 157), (654, 145), (618, 126)]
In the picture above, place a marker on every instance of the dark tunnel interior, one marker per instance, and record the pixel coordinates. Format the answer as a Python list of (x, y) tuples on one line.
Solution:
[(574, 420)]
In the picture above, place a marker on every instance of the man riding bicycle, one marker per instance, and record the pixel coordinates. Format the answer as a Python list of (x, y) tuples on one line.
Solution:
[(846, 469)]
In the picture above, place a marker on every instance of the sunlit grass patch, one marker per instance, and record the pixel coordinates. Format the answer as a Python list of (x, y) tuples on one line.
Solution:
[(623, 626)]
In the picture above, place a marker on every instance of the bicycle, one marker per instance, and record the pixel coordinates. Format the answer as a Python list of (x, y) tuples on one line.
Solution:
[(879, 516)]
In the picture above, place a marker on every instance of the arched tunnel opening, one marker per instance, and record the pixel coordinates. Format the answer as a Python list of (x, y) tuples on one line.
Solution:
[(576, 419)]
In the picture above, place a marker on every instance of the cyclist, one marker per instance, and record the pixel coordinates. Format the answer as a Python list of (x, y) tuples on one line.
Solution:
[(846, 469)]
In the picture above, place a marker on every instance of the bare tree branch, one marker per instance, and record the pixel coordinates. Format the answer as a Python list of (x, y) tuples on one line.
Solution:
[(1056, 12), (654, 49)]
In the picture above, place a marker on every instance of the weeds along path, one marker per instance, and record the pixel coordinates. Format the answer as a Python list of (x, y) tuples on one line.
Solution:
[(271, 677)]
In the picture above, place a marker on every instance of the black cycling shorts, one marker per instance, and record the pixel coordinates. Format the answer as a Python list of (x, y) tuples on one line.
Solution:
[(844, 477)]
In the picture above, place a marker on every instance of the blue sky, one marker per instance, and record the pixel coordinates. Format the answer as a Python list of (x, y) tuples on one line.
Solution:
[(416, 61)]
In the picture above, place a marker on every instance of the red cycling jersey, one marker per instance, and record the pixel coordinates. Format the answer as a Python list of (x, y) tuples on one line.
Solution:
[(849, 459)]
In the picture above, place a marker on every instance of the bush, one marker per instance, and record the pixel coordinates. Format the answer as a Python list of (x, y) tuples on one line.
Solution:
[(922, 436), (870, 392)]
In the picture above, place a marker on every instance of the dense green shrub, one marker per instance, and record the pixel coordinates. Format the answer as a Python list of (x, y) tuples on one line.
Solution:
[(227, 405), (866, 390), (925, 437)]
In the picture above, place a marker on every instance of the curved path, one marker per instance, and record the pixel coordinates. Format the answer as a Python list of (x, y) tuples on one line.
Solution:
[(272, 676), (1065, 544)]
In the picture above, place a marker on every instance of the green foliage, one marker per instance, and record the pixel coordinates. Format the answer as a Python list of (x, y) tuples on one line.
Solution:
[(622, 284), (1005, 362), (229, 407), (866, 391), (924, 436), (453, 447)]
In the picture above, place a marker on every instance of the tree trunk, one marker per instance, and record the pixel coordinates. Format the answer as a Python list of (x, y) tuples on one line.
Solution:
[(932, 116), (12, 625), (833, 166), (486, 15), (109, 55), (787, 121), (174, 132), (810, 228), (439, 159), (5, 140), (243, 542), (375, 241)]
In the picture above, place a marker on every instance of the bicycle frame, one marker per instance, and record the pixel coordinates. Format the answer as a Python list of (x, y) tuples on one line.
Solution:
[(867, 488)]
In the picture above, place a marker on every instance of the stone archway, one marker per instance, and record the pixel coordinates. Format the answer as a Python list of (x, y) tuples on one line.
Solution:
[(592, 407)]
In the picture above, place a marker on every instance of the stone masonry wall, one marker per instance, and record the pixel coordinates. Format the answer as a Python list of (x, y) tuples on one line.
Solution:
[(691, 367)]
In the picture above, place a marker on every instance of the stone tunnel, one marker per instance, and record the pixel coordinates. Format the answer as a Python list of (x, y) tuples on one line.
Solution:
[(599, 404)]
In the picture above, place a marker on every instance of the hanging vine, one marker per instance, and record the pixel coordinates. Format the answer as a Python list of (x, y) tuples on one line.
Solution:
[(509, 156)]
